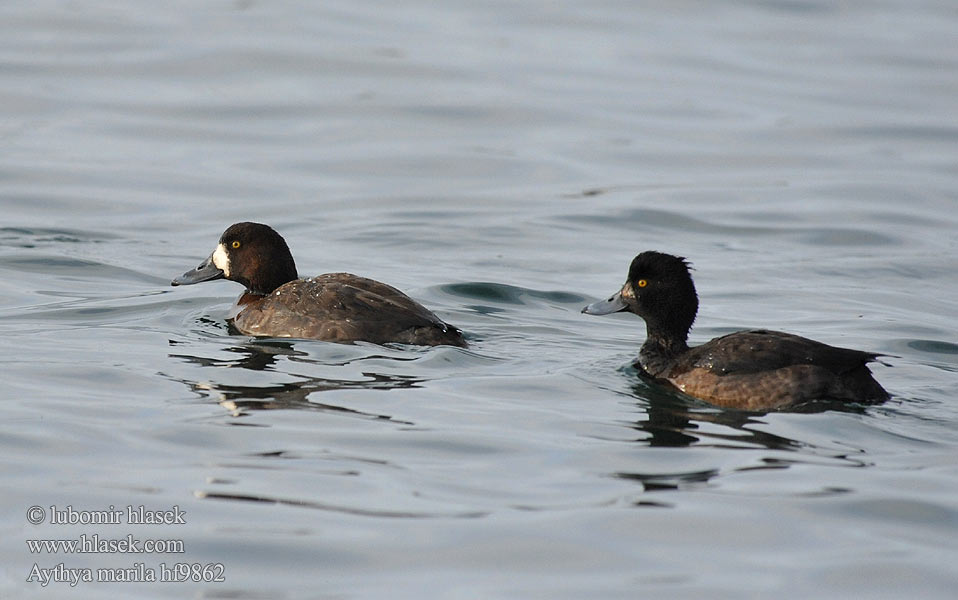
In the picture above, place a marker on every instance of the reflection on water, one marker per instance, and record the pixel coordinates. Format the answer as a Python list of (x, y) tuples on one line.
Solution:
[(263, 355), (673, 420), (669, 481), (256, 356)]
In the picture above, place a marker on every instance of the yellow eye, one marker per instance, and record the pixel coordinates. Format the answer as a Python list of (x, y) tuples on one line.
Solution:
[(641, 283), (235, 244)]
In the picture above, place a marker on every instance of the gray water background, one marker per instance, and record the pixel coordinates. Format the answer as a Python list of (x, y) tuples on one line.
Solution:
[(502, 163)]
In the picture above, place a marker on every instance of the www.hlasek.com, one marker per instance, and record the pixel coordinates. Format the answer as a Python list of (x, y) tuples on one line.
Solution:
[(94, 543)]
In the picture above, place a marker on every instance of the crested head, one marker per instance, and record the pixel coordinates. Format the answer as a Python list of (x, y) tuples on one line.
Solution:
[(659, 264), (660, 290)]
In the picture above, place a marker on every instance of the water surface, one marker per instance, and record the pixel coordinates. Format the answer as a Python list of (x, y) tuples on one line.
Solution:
[(502, 163)]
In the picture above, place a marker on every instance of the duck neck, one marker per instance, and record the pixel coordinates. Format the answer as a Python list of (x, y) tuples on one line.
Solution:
[(661, 348), (268, 282)]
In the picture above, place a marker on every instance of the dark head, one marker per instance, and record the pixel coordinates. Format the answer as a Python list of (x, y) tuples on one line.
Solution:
[(248, 253), (660, 290)]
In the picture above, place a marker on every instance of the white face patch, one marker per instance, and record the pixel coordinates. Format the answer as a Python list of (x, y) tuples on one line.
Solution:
[(221, 259)]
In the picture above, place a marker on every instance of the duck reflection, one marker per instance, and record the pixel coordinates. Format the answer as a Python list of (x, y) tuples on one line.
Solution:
[(673, 420), (265, 356)]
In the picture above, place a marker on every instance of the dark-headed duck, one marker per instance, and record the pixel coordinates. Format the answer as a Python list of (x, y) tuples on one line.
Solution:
[(335, 307), (748, 370)]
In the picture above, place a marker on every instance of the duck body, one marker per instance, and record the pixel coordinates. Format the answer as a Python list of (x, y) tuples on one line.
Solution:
[(762, 369), (748, 370), (335, 307), (353, 309)]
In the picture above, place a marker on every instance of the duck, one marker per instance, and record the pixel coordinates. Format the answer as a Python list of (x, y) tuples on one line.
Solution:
[(756, 370), (334, 307)]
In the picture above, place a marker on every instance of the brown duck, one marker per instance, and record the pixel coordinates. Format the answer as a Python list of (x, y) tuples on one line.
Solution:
[(335, 307), (748, 370)]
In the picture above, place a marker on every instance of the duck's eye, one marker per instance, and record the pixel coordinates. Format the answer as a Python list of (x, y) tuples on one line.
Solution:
[(642, 283), (235, 244)]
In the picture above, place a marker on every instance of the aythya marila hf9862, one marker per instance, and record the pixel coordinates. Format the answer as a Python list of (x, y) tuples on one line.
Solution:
[(335, 307), (748, 370)]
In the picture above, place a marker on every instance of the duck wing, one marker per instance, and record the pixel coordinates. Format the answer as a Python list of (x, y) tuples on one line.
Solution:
[(343, 307), (765, 370), (763, 350)]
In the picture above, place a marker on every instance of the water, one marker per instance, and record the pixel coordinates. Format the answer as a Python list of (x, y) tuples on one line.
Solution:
[(502, 163)]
